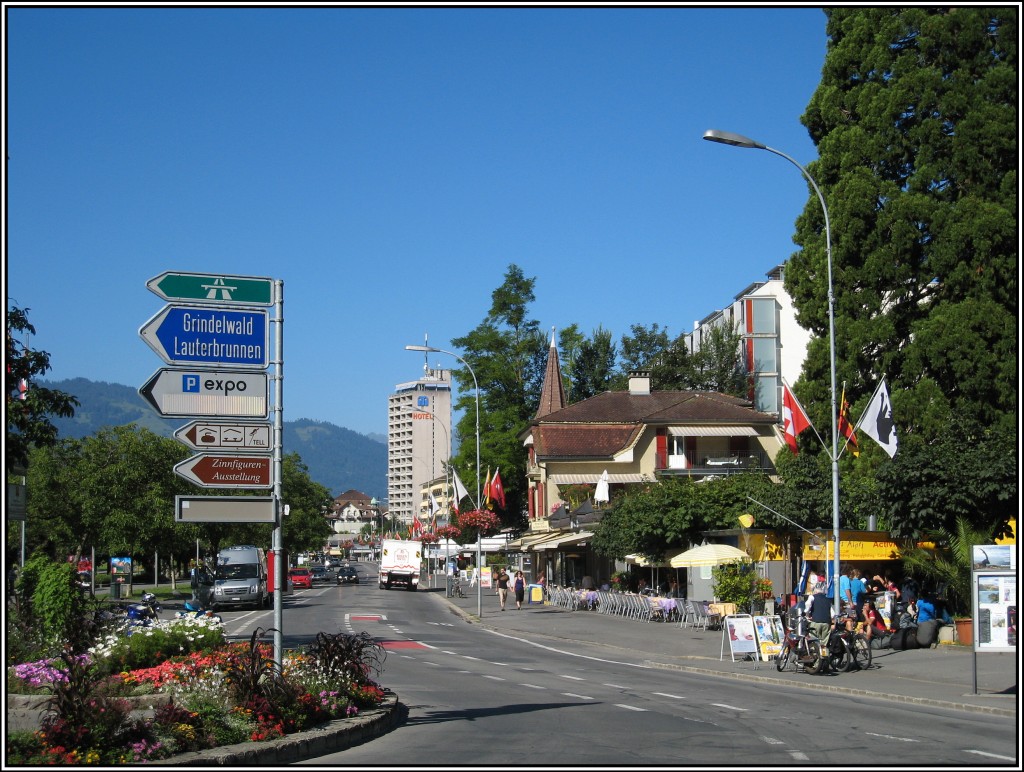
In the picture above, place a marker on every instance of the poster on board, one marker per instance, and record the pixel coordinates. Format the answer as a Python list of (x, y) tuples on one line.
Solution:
[(770, 635), (995, 611), (739, 630)]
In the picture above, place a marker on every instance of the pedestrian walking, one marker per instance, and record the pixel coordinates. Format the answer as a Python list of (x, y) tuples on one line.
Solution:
[(519, 588), (503, 580)]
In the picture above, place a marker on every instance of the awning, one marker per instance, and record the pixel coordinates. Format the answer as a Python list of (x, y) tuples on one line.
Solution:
[(524, 542), (563, 540), (712, 431), (853, 545), (586, 479)]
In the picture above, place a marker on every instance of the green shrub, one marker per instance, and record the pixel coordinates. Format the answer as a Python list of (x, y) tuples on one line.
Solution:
[(735, 583)]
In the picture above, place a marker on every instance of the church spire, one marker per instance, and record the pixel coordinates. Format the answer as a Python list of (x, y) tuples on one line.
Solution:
[(552, 393)]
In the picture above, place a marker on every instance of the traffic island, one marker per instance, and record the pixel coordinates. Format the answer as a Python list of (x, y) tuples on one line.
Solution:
[(328, 738)]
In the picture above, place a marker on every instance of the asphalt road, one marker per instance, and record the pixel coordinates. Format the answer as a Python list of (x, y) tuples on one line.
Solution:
[(513, 698)]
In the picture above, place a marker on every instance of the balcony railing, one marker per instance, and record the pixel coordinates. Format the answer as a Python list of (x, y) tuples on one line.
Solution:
[(702, 465)]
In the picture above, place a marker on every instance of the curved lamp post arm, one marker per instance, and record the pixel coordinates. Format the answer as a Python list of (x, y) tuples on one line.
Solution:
[(476, 388), (738, 140)]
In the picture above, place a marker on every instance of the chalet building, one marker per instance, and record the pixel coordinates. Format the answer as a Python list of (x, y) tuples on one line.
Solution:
[(348, 513), (633, 437)]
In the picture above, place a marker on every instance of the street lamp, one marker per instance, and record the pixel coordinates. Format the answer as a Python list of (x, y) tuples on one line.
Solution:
[(738, 140), (375, 505), (476, 387)]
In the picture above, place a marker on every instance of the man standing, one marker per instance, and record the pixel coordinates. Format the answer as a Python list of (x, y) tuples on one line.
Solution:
[(450, 575), (503, 579)]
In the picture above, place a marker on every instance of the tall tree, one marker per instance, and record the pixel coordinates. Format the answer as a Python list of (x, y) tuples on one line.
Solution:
[(718, 365), (28, 404), (593, 368), (915, 120), (507, 352), (640, 348)]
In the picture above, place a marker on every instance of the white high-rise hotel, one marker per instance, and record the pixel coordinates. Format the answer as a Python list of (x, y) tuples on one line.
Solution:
[(419, 439)]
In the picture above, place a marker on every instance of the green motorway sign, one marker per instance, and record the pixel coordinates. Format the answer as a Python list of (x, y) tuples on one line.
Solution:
[(213, 288)]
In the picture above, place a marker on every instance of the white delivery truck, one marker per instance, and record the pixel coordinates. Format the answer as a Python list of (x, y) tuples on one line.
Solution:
[(400, 562), (239, 579)]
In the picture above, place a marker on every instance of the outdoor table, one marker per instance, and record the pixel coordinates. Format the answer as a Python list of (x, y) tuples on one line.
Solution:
[(668, 605), (722, 609)]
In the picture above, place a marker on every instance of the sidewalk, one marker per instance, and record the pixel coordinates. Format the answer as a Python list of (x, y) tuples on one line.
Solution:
[(941, 676)]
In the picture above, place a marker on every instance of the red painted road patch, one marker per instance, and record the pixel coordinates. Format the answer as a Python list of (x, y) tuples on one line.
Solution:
[(370, 618), (390, 645)]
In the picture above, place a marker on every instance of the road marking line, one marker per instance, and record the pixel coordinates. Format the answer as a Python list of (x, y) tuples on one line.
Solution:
[(992, 755), (533, 686), (469, 657), (798, 755), (772, 740), (580, 696), (631, 707), (728, 707), (567, 653), (572, 677), (666, 694), (615, 686), (892, 737), (494, 677), (500, 664)]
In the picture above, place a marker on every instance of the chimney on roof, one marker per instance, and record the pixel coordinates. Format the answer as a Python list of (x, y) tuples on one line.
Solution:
[(639, 382)]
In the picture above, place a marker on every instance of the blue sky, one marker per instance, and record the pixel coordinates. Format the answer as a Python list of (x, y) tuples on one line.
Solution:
[(389, 164)]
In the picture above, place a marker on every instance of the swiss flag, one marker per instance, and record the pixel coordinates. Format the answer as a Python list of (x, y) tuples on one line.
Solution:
[(794, 418), (497, 490)]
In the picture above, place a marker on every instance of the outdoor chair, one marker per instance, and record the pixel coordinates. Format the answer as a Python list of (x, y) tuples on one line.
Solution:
[(689, 617)]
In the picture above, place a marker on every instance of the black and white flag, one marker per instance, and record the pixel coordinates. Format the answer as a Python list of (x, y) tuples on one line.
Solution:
[(877, 420)]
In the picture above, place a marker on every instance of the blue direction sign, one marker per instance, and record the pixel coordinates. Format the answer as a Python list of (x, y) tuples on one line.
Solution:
[(209, 336)]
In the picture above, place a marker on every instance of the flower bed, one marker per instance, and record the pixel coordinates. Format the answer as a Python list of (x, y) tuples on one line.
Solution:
[(223, 695)]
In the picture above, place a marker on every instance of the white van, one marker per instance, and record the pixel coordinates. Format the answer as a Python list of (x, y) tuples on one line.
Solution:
[(240, 579)]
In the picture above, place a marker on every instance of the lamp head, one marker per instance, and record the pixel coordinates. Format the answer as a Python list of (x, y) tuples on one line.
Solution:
[(423, 348), (728, 138)]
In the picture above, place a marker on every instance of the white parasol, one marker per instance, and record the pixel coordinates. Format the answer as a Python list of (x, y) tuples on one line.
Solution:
[(708, 555), (601, 493)]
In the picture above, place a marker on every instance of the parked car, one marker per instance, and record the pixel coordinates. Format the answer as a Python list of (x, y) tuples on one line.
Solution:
[(334, 562), (301, 577), (319, 572), (347, 575)]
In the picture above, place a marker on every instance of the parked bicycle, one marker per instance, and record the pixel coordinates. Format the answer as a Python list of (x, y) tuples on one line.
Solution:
[(800, 647), (848, 650)]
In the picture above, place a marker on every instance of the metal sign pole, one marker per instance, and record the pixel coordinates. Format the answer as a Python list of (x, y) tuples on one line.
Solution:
[(280, 570)]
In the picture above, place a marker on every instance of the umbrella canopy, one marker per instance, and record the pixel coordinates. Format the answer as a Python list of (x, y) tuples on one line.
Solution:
[(708, 555), (640, 560), (601, 493)]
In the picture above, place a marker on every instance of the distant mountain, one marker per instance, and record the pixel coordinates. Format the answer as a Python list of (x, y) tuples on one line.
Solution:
[(337, 458)]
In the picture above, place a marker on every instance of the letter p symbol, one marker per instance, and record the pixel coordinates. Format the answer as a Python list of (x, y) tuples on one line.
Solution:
[(190, 383)]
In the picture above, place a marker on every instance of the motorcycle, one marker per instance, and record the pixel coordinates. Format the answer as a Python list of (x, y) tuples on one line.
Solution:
[(142, 614)]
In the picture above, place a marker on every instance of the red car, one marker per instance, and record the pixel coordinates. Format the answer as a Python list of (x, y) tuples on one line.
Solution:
[(301, 577)]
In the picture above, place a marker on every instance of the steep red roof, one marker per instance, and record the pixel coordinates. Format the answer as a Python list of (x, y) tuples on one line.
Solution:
[(552, 393)]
